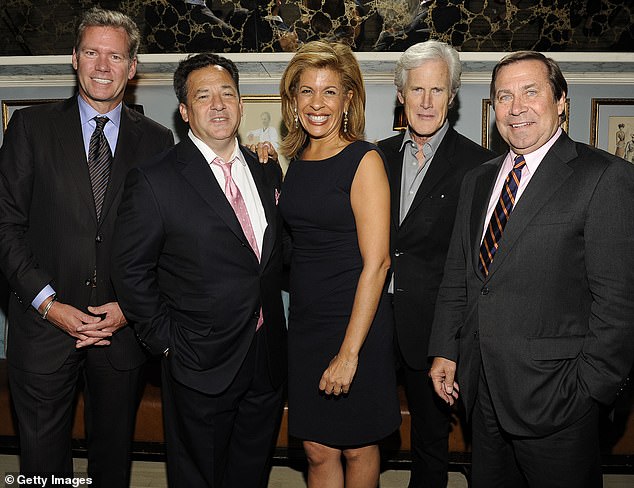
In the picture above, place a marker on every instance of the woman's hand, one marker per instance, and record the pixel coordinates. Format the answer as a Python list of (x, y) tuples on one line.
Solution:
[(264, 151), (338, 376)]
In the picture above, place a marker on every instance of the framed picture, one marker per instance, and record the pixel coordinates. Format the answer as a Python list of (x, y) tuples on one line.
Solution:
[(491, 138), (10, 106), (262, 121), (612, 126)]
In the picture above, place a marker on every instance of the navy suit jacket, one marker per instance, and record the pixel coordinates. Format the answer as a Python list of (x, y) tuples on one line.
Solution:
[(188, 278)]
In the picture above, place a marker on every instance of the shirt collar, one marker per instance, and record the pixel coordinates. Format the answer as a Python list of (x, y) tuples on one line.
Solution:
[(534, 158), (430, 147), (87, 113), (209, 153)]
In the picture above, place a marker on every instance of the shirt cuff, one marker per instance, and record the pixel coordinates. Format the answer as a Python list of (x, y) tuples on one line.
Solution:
[(46, 292)]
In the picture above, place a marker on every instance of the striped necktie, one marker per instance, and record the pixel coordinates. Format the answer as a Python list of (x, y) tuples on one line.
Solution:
[(99, 160), (500, 216)]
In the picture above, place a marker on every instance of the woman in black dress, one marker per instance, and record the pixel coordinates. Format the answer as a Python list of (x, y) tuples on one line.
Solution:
[(335, 201)]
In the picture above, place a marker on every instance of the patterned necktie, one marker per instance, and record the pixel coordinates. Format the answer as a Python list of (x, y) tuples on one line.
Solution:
[(234, 196), (500, 216), (99, 160)]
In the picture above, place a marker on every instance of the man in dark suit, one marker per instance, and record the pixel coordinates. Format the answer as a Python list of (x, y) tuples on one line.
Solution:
[(536, 304), (58, 199), (198, 257), (427, 164)]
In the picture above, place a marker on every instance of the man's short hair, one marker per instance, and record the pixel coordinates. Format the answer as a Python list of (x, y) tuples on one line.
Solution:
[(98, 17), (199, 61)]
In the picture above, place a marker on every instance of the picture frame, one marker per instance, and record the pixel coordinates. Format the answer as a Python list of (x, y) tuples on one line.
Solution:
[(10, 106), (253, 128), (491, 138), (612, 126)]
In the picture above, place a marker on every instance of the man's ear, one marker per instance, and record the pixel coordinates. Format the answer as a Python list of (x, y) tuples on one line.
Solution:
[(182, 108)]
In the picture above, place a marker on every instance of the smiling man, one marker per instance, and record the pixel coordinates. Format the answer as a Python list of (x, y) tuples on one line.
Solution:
[(62, 168), (197, 255), (534, 314), (427, 164)]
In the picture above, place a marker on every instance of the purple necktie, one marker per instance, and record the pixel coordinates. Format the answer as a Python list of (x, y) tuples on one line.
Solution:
[(234, 196)]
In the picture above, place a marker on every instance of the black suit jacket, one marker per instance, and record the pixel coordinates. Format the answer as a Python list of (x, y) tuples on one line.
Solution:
[(188, 277), (419, 244), (552, 324), (49, 227)]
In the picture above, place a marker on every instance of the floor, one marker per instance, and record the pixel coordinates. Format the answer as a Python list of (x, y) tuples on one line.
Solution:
[(152, 475)]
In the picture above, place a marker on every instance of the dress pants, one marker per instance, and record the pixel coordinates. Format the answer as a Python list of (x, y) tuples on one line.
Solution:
[(224, 440), (429, 436), (568, 458), (44, 405)]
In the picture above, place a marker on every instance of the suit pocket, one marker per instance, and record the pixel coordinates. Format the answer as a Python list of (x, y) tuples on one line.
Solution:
[(195, 313), (555, 348)]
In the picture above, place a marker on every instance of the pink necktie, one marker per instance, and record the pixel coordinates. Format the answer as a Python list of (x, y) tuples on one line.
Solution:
[(234, 196)]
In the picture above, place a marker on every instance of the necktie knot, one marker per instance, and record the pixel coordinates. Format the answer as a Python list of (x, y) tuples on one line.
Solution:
[(519, 162), (101, 122), (224, 166)]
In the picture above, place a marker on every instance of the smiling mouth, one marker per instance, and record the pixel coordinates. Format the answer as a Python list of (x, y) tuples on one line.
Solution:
[(101, 81), (317, 118), (520, 125)]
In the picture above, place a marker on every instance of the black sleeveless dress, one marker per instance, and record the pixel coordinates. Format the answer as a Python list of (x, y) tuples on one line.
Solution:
[(325, 268)]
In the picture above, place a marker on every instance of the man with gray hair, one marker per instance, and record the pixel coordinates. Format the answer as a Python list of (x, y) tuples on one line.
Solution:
[(427, 163), (62, 167)]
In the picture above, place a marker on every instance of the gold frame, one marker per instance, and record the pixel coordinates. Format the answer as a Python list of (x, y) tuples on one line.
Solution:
[(486, 121), (9, 106), (595, 116)]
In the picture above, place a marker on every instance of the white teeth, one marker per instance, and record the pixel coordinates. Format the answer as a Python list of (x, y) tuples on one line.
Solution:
[(523, 124), (102, 81), (318, 118)]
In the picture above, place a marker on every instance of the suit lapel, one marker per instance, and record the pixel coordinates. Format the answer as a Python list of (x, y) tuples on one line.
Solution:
[(198, 174), (68, 129), (394, 157), (481, 196), (439, 166), (125, 155), (196, 171), (267, 197), (552, 172)]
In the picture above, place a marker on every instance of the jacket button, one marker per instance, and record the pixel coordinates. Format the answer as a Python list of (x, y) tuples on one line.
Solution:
[(88, 282), (99, 239), (476, 334), (397, 253), (484, 291)]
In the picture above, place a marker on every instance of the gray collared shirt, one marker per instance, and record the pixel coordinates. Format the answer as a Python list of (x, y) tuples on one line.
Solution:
[(411, 175)]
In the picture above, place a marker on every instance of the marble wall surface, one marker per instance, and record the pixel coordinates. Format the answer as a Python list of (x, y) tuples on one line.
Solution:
[(43, 27)]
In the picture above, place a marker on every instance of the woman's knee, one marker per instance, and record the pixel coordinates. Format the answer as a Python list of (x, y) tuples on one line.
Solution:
[(318, 454)]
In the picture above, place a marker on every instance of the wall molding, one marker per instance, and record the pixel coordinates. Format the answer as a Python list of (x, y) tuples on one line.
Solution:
[(377, 68)]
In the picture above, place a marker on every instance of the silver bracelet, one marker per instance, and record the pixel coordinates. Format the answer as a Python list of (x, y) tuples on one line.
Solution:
[(48, 307)]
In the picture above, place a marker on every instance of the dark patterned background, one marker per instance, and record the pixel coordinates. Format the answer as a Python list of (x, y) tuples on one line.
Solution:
[(46, 26)]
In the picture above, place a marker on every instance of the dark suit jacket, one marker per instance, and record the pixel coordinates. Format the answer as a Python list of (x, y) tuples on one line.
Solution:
[(419, 244), (49, 227), (188, 277), (552, 325)]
